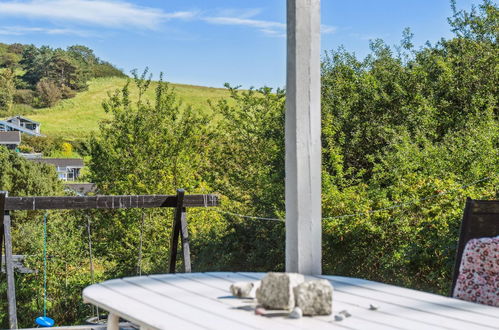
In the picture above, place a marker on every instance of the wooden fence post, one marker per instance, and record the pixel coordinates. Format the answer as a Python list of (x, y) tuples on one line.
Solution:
[(9, 265), (186, 249), (180, 228)]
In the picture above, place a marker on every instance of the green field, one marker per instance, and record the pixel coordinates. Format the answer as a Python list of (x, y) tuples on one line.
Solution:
[(80, 116)]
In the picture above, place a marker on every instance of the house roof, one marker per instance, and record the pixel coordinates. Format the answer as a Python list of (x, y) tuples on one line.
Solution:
[(11, 137), (23, 118), (61, 162), (19, 128)]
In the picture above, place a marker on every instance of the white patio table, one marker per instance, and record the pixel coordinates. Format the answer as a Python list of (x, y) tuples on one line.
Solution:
[(203, 301)]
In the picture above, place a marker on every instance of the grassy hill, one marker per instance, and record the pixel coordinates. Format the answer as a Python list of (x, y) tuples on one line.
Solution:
[(79, 116)]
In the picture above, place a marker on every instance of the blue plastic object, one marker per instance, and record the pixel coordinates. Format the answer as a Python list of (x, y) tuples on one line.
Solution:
[(44, 321)]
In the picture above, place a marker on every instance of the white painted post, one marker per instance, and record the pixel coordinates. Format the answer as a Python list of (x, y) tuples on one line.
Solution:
[(113, 321), (303, 143)]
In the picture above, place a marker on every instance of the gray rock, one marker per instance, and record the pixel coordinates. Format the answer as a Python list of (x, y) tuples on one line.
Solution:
[(373, 307), (339, 317), (244, 289), (276, 290), (345, 313), (315, 297), (296, 313)]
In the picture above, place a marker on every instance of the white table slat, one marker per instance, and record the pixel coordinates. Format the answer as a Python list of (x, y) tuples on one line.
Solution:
[(132, 311), (209, 299), (476, 309), (203, 301), (359, 307), (213, 290), (438, 305), (316, 321), (149, 291), (432, 309)]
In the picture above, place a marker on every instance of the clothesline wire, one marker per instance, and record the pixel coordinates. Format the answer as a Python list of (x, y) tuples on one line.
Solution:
[(395, 206)]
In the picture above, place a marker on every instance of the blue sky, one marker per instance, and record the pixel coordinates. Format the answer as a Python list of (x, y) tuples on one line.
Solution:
[(210, 42)]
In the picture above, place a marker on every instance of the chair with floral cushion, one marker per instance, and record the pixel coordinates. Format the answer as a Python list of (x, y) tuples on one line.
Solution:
[(476, 271)]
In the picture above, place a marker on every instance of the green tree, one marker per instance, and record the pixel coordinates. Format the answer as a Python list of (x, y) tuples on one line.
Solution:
[(21, 177), (401, 129), (147, 147), (247, 169), (10, 60), (35, 63), (7, 90)]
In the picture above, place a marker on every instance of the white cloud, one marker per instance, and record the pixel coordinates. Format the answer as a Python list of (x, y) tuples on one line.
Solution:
[(328, 29), (274, 33), (94, 12), (123, 14), (20, 30), (270, 28), (245, 22), (241, 13)]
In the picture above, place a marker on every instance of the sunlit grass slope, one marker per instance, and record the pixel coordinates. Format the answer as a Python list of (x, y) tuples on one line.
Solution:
[(80, 116)]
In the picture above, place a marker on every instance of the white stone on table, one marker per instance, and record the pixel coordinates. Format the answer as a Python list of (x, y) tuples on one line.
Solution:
[(276, 290), (314, 297), (296, 313), (244, 289)]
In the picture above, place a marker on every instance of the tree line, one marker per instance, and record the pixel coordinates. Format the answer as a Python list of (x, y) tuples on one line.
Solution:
[(41, 76)]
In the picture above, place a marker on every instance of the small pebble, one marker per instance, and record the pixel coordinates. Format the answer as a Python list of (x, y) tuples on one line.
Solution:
[(373, 307), (345, 313), (296, 313), (339, 317), (260, 311)]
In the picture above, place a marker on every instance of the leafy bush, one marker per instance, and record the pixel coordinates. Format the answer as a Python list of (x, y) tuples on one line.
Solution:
[(408, 129), (26, 149), (43, 144), (67, 92), (48, 93), (24, 96)]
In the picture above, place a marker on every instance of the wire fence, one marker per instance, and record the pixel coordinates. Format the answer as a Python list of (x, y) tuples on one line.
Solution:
[(394, 206)]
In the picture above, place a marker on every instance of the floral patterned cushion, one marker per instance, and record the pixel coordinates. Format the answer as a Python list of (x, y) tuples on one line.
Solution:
[(478, 279)]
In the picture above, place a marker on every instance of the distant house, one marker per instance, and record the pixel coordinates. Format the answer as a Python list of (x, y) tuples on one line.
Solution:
[(81, 189), (10, 139), (68, 169), (20, 124)]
